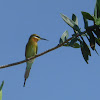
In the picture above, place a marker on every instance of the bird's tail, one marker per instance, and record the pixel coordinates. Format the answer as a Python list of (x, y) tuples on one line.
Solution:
[(28, 68), (24, 83)]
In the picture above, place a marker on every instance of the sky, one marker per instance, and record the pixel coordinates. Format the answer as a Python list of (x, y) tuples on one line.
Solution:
[(58, 75)]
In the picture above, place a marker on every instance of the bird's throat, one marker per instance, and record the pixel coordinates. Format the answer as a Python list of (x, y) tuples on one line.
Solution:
[(34, 39)]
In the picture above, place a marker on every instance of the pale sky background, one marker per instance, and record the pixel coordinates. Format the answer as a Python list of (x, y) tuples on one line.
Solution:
[(59, 75)]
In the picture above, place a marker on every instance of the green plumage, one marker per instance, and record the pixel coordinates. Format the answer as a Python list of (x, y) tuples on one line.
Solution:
[(31, 50)]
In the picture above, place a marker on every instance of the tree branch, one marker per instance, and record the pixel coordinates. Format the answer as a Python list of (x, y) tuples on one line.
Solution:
[(49, 50), (59, 45)]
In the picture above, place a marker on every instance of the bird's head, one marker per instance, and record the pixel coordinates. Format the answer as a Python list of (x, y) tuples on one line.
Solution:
[(36, 38)]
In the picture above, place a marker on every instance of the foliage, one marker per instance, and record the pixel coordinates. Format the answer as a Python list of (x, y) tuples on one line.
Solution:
[(92, 33)]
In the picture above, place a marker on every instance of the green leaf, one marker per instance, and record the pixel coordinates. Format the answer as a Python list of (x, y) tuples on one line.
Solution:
[(73, 41), (85, 51), (75, 19), (97, 32), (76, 45), (85, 56), (87, 16), (86, 48), (1, 90), (1, 95), (85, 23), (97, 21), (63, 37), (97, 9), (98, 41), (1, 85), (91, 39), (70, 22), (96, 52)]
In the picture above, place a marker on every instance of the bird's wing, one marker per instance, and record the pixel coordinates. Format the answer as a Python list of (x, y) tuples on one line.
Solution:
[(25, 50), (36, 49)]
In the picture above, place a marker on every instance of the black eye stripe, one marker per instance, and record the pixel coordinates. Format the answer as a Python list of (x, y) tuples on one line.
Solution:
[(37, 36)]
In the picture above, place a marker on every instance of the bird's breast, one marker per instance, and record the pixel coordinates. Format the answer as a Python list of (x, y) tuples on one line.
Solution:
[(31, 49)]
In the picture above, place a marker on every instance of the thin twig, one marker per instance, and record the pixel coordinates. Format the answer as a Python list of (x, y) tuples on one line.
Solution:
[(20, 62)]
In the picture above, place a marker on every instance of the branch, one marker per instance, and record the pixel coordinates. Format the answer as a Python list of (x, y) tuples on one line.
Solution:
[(58, 46)]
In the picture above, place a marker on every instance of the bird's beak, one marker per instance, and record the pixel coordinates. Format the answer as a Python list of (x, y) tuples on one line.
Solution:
[(43, 39)]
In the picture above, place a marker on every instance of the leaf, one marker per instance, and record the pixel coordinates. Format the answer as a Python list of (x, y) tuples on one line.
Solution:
[(97, 32), (98, 41), (96, 52), (85, 51), (1, 85), (86, 48), (70, 22), (91, 39), (87, 16), (73, 41), (1, 90), (63, 37), (85, 56), (97, 21), (75, 19), (76, 45), (97, 9), (1, 95), (85, 23)]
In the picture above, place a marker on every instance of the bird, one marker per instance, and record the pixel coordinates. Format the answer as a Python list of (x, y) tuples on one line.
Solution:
[(30, 51)]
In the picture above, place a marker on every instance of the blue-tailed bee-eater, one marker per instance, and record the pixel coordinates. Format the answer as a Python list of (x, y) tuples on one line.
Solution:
[(30, 51)]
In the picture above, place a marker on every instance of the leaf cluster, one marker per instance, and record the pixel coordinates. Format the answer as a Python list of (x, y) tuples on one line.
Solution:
[(92, 33)]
